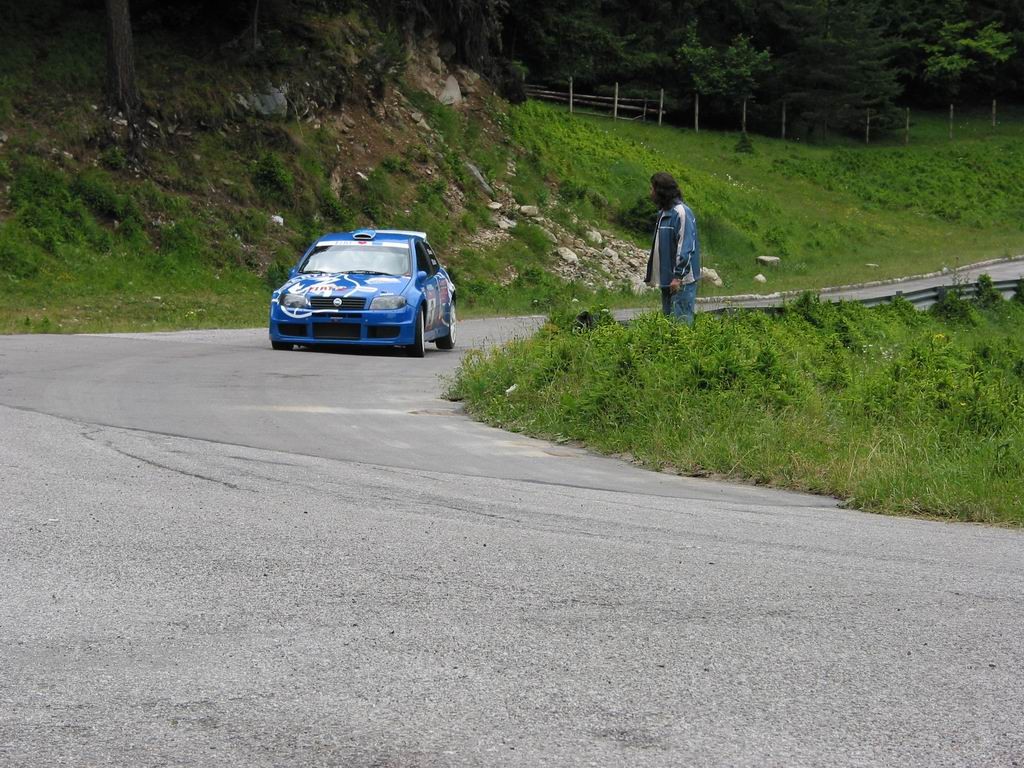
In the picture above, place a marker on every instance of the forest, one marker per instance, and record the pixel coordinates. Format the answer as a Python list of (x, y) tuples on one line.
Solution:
[(828, 61)]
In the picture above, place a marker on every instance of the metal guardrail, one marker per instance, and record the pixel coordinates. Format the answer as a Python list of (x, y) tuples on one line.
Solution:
[(922, 298)]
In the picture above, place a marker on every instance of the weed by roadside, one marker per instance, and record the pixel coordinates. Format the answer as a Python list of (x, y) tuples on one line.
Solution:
[(891, 409)]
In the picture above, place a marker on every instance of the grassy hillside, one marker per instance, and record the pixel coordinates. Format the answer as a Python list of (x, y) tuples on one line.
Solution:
[(826, 211), (93, 239)]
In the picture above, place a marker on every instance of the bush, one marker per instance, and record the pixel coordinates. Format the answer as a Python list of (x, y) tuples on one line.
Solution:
[(953, 309), (335, 214), (96, 189), (987, 296), (19, 257), (114, 158), (638, 217), (272, 178)]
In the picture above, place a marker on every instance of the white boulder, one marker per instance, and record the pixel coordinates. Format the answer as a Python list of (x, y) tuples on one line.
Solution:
[(452, 94), (568, 255), (707, 273)]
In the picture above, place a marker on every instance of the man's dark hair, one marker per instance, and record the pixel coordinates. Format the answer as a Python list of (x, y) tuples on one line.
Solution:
[(666, 191)]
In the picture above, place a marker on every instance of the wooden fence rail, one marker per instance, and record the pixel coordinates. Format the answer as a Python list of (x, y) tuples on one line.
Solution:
[(640, 108), (616, 104)]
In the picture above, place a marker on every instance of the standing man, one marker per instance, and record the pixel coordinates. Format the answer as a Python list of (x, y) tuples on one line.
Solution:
[(674, 264)]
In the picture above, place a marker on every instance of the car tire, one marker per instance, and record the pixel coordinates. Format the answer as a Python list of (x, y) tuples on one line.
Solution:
[(448, 341), (418, 348), (283, 345)]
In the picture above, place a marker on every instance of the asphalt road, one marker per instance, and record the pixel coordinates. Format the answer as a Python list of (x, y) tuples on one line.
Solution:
[(216, 554)]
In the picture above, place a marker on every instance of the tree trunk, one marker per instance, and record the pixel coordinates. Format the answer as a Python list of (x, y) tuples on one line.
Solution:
[(255, 26), (122, 91)]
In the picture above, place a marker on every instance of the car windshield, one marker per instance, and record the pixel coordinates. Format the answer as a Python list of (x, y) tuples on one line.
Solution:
[(366, 259)]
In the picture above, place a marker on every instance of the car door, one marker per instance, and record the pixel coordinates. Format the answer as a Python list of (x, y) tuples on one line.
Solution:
[(443, 286), (431, 288)]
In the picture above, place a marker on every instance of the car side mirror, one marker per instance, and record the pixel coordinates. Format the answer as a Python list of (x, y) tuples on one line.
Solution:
[(421, 277), (293, 272)]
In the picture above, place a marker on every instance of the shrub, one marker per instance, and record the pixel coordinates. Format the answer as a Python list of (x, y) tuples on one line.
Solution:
[(96, 189), (335, 214), (114, 158), (953, 309), (533, 237), (638, 217), (19, 256), (379, 196), (987, 296), (272, 178)]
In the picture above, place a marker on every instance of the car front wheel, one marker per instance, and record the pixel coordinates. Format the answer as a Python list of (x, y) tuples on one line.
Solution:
[(418, 348), (448, 341)]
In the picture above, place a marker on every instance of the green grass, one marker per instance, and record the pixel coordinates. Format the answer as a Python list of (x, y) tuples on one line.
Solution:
[(826, 211), (891, 409)]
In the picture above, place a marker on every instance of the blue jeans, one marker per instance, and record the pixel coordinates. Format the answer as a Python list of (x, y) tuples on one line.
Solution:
[(681, 304)]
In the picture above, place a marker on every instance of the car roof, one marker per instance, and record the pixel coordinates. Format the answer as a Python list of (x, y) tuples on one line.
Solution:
[(373, 235)]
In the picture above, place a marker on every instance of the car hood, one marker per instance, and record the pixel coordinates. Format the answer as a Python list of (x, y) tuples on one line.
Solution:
[(346, 285)]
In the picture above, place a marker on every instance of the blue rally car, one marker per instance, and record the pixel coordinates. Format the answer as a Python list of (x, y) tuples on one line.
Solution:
[(369, 287)]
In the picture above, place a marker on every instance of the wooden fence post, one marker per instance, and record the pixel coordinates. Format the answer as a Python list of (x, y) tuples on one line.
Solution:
[(661, 105), (783, 120), (696, 113), (615, 109), (950, 121), (867, 127), (993, 113), (570, 95), (906, 134), (744, 123)]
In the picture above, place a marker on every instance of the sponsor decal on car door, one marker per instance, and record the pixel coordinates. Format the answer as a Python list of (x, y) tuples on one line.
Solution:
[(434, 305)]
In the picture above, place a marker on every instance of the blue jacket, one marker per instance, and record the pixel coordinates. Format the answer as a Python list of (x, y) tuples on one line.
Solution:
[(678, 246)]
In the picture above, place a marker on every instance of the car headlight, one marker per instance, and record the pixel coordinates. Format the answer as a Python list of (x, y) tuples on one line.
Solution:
[(293, 300), (388, 302)]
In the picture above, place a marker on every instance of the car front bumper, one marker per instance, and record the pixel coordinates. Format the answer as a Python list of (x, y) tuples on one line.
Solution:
[(369, 327)]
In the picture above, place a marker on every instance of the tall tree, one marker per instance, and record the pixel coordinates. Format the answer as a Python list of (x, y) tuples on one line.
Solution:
[(840, 64), (961, 51), (733, 72), (122, 90)]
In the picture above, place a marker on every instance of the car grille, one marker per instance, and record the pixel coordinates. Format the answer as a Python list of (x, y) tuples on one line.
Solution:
[(336, 330), (326, 302)]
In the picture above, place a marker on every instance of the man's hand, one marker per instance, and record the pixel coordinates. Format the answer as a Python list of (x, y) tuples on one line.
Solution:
[(674, 285)]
